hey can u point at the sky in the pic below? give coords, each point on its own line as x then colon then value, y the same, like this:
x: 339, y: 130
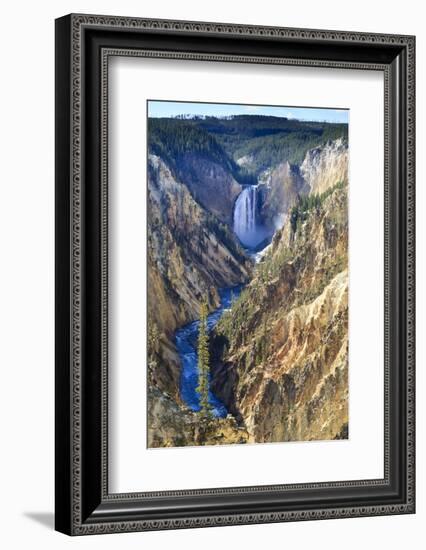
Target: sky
x: 161, y: 109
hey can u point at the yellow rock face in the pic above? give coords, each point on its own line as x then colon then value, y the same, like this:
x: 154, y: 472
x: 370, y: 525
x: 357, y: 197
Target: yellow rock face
x: 303, y: 393
x: 324, y: 166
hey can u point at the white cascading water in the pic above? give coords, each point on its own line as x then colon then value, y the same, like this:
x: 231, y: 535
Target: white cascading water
x: 245, y: 218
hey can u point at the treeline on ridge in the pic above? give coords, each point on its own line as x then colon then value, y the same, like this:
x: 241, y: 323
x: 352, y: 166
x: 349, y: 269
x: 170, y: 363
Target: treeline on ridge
x: 173, y: 139
x: 265, y: 140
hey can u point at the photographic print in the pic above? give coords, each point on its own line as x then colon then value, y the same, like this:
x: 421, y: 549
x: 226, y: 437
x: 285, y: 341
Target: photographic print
x: 247, y: 289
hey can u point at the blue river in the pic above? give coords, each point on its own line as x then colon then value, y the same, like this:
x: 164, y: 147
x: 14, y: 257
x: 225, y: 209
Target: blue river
x: 186, y: 342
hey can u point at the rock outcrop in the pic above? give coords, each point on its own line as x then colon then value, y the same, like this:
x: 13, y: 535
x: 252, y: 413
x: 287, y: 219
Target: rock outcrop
x: 326, y: 165
x: 170, y: 425
x: 279, y: 190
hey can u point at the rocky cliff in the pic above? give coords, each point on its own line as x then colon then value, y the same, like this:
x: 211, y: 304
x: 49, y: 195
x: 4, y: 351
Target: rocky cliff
x: 281, y: 354
x: 171, y: 425
x: 282, y: 185
x: 279, y: 189
x: 211, y: 184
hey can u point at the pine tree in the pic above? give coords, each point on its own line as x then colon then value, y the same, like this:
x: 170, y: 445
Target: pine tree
x: 203, y: 362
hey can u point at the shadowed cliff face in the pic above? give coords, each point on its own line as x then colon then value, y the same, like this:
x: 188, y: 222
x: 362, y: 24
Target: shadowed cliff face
x: 211, y: 185
x: 190, y: 255
x: 281, y: 354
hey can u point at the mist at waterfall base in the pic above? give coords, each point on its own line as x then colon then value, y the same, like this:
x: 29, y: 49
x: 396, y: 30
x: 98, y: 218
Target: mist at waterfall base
x: 186, y: 339
x: 251, y: 233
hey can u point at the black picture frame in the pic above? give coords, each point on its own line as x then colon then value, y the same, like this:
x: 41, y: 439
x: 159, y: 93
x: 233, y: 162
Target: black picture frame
x: 83, y: 504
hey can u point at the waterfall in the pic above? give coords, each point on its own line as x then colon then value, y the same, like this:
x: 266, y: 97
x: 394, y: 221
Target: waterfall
x: 246, y: 225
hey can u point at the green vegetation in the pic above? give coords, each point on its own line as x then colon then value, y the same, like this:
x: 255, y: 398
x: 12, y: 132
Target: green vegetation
x: 269, y: 140
x: 264, y: 140
x: 300, y: 211
x: 271, y: 267
x: 225, y: 235
x: 203, y: 362
x: 174, y: 139
x: 235, y: 326
x: 232, y: 322
x: 170, y: 137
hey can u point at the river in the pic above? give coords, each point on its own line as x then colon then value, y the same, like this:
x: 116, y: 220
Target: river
x: 186, y: 343
x: 254, y: 237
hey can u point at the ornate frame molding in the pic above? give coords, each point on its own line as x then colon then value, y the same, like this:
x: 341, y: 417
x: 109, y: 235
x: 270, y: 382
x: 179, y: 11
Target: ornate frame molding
x: 71, y: 43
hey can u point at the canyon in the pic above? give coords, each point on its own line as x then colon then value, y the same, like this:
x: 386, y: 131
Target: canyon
x: 278, y: 232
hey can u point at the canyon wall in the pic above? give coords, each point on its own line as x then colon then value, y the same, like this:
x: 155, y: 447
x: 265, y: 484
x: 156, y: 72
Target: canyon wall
x: 171, y: 425
x: 324, y: 166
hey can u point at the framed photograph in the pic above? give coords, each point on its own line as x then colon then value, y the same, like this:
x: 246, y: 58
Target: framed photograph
x: 234, y: 274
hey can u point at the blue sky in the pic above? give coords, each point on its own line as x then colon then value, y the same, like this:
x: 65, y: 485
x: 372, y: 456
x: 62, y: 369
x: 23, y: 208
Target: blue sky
x: 161, y: 109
